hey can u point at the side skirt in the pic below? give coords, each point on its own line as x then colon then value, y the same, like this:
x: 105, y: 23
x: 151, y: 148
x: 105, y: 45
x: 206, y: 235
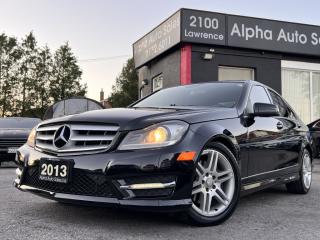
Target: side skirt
x: 249, y: 188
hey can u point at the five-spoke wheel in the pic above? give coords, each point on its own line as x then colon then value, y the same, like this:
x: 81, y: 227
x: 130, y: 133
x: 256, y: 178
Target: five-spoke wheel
x: 216, y: 185
x: 303, y: 184
x: 307, y: 170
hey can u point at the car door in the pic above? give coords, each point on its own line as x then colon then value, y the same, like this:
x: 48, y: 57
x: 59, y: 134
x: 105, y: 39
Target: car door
x: 292, y: 133
x: 265, y: 138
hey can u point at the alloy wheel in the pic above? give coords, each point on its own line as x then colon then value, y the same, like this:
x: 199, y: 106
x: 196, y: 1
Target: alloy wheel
x: 307, y: 170
x: 214, y: 184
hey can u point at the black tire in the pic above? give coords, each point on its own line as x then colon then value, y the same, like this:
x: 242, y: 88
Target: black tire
x: 299, y: 186
x: 199, y: 220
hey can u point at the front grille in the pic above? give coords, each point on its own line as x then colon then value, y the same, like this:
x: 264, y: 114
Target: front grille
x: 5, y: 143
x: 81, y: 183
x: 81, y: 138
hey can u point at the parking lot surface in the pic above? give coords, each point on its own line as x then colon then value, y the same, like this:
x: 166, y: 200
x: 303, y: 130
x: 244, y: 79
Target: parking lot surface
x: 270, y: 214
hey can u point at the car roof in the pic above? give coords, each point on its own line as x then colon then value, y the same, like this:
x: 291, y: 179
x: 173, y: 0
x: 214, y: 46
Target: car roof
x: 247, y: 82
x: 20, y: 118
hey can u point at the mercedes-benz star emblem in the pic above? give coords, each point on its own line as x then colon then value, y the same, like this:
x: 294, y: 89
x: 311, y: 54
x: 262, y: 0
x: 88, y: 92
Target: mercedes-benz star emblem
x: 62, y: 136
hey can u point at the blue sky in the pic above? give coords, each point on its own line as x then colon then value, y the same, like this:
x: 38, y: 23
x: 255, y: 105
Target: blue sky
x: 107, y: 28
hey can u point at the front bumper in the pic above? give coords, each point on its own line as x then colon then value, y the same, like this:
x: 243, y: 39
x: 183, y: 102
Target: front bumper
x: 147, y: 204
x: 108, y: 178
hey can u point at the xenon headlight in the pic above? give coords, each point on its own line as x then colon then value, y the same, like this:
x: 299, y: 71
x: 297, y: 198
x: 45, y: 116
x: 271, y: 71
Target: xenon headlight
x: 158, y: 135
x: 32, y: 138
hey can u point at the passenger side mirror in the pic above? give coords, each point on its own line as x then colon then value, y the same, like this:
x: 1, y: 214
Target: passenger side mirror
x: 265, y: 110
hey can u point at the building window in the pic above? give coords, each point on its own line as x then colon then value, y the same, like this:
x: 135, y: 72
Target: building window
x: 301, y: 88
x: 235, y: 73
x: 157, y: 82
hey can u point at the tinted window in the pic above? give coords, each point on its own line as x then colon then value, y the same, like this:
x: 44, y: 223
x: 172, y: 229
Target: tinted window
x: 317, y: 125
x: 284, y: 110
x: 281, y: 105
x: 259, y: 95
x: 14, y: 123
x: 207, y: 94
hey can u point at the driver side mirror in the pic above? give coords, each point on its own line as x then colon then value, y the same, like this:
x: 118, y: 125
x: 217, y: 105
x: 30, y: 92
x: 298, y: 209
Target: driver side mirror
x: 265, y: 110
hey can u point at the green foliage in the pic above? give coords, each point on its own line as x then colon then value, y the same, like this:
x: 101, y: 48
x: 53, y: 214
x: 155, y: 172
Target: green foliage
x: 125, y: 91
x: 32, y: 78
x: 9, y: 70
x: 66, y: 75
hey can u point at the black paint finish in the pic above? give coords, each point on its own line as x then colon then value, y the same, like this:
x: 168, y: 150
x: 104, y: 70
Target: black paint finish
x: 265, y: 153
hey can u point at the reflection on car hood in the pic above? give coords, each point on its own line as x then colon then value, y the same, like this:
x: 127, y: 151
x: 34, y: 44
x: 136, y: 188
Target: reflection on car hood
x: 137, y: 118
x: 14, y: 133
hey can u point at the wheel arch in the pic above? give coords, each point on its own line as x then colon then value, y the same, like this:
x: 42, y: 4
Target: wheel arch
x: 214, y: 132
x: 225, y: 140
x: 309, y: 148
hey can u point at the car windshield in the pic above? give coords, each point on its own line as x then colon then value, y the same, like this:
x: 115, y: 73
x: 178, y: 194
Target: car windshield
x: 219, y: 94
x: 17, y: 123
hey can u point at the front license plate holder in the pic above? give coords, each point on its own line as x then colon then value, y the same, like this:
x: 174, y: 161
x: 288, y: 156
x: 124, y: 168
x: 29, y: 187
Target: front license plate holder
x: 55, y: 170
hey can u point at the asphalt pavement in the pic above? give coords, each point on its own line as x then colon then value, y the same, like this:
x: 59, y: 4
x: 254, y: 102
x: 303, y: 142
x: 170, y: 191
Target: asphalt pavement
x: 270, y: 214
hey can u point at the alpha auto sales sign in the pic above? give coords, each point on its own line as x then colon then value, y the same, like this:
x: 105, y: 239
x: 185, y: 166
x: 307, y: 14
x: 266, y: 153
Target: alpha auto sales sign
x: 195, y: 26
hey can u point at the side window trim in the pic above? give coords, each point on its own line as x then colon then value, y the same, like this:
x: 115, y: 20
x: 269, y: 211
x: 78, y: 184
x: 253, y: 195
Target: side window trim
x: 284, y: 101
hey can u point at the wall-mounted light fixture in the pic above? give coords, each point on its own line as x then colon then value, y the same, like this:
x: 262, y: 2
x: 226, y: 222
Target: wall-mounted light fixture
x: 209, y: 55
x: 144, y: 82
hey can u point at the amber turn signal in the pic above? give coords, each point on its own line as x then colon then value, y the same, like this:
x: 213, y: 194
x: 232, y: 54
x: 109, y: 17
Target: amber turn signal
x: 186, y: 156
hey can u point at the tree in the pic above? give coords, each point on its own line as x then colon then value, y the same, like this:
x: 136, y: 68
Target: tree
x: 66, y: 75
x: 125, y: 91
x: 9, y: 57
x: 31, y: 78
x: 42, y: 76
x: 27, y: 79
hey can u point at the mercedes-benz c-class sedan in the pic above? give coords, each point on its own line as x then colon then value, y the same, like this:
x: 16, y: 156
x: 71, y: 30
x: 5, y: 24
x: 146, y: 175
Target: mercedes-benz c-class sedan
x: 194, y: 148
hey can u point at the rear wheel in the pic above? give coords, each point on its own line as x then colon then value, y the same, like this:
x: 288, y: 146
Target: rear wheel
x: 303, y: 185
x: 216, y: 186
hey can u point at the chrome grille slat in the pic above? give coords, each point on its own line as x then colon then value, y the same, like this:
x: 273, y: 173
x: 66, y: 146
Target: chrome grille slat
x: 44, y: 137
x: 49, y: 128
x: 95, y: 128
x: 45, y: 146
x: 91, y: 138
x: 83, y: 138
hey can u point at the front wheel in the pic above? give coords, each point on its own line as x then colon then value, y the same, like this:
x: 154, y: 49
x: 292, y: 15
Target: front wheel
x: 303, y: 185
x: 216, y: 187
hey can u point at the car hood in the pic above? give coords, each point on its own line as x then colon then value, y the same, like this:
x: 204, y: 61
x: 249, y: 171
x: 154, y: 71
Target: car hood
x: 137, y: 118
x: 7, y: 133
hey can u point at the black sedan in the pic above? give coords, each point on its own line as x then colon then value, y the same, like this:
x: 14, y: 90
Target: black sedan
x: 13, y: 134
x: 193, y: 148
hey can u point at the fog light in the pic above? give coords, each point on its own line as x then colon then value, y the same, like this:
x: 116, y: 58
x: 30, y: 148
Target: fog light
x: 142, y: 186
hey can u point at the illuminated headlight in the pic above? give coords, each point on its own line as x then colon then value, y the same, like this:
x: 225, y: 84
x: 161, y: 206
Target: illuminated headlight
x: 32, y: 138
x: 158, y: 135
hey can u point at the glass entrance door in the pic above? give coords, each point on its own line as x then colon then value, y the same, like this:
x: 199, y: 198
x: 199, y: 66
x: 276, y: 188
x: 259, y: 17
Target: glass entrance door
x: 301, y: 88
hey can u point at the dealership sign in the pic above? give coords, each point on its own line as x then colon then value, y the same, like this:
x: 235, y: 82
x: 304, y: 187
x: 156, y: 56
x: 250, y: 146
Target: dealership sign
x: 193, y: 26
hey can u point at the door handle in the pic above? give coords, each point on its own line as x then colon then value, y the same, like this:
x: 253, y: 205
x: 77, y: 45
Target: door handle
x: 279, y: 125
